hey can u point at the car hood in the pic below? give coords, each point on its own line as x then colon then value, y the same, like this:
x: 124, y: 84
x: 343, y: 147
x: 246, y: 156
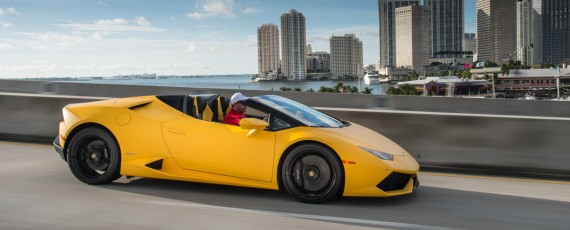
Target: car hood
x: 361, y: 136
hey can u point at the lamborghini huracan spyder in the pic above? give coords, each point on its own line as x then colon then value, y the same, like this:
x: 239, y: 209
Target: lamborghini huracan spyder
x: 282, y: 144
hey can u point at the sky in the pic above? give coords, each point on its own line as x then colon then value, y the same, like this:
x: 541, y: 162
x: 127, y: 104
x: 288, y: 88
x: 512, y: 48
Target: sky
x: 88, y: 38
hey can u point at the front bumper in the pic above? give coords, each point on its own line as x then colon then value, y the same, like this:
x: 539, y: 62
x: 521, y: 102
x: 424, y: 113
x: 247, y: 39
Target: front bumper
x: 58, y: 148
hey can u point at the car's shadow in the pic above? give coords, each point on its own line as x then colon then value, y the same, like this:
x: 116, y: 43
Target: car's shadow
x: 254, y: 199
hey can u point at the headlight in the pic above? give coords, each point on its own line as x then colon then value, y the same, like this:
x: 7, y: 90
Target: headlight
x: 381, y: 155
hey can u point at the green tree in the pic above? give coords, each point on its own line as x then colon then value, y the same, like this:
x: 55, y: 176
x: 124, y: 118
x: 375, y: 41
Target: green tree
x: 393, y: 91
x: 283, y: 88
x: 311, y: 90
x: 339, y: 87
x: 297, y: 89
x: 414, y: 75
x: 367, y: 90
x: 405, y: 89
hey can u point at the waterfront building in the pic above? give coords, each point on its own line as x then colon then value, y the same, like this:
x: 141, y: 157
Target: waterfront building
x: 551, y: 31
x: 346, y: 57
x: 318, y: 62
x: 268, y: 51
x: 293, y: 42
x: 448, y: 86
x: 470, y: 43
x: 445, y: 28
x: 411, y: 37
x: 524, y: 29
x: 496, y: 25
x: 535, y: 81
x: 387, y: 24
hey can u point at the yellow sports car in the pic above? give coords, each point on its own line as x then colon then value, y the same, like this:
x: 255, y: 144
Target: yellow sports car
x: 282, y: 144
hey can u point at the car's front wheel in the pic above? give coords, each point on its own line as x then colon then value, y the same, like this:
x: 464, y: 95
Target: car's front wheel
x: 94, y: 156
x: 312, y: 173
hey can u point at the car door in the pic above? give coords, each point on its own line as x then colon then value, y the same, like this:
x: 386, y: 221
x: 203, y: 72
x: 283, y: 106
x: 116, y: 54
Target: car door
x: 221, y: 149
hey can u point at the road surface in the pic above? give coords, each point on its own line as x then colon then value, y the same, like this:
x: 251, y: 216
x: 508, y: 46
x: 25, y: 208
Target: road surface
x: 37, y: 191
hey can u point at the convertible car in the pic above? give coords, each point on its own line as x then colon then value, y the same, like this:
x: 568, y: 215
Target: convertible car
x: 282, y: 144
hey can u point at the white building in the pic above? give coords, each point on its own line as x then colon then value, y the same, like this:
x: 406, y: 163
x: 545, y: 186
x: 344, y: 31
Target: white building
x: 346, y: 57
x: 524, y: 32
x: 268, y: 50
x: 387, y: 22
x: 411, y: 37
x: 293, y: 42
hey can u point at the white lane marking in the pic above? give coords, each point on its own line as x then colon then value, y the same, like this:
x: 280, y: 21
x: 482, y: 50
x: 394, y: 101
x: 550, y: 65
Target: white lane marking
x: 535, y: 189
x: 341, y: 220
x: 443, y: 113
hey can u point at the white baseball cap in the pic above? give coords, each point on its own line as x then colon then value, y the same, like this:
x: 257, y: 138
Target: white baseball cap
x: 237, y: 97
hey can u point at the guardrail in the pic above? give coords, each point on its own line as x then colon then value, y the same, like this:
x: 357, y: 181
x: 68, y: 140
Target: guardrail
x: 506, y: 143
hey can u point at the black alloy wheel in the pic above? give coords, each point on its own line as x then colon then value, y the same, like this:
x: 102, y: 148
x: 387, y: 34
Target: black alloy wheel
x: 94, y: 156
x: 312, y: 174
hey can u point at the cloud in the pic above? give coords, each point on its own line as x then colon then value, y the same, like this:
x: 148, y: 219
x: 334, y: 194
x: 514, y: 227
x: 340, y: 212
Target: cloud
x: 213, y: 8
x: 101, y: 3
x: 6, y: 46
x: 140, y: 24
x: 250, y: 10
x: 7, y: 11
x: 191, y: 48
x: 116, y: 21
x: 60, y: 39
x: 5, y: 24
x: 141, y: 21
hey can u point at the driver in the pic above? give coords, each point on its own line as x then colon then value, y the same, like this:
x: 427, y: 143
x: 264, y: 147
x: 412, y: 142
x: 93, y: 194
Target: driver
x: 238, y: 109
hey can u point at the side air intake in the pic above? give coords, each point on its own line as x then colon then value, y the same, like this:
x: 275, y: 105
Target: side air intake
x: 155, y: 165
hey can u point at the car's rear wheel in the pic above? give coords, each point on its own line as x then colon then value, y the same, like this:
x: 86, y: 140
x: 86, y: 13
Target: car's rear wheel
x: 94, y: 156
x: 312, y: 173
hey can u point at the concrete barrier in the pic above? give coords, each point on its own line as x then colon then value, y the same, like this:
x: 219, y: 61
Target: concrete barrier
x: 502, y: 134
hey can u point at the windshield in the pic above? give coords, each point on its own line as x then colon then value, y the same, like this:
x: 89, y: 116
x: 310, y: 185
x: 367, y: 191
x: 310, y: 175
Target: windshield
x: 301, y: 112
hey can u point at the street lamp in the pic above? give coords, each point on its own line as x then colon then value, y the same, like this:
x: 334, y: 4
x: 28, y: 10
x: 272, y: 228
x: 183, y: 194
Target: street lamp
x: 558, y: 83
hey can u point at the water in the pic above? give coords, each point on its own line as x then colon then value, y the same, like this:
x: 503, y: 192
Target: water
x: 241, y: 82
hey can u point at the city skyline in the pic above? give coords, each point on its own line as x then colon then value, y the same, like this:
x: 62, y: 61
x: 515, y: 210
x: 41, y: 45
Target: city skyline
x: 67, y: 38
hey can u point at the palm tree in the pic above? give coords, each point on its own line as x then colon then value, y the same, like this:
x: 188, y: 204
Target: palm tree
x: 367, y: 90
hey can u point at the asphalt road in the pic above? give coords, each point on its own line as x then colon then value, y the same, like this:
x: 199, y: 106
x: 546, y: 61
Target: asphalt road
x: 37, y: 191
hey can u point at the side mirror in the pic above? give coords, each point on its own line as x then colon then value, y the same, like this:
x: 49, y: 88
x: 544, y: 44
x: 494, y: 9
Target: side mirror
x: 254, y: 124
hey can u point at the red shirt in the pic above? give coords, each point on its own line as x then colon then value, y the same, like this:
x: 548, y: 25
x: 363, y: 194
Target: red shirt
x: 233, y: 117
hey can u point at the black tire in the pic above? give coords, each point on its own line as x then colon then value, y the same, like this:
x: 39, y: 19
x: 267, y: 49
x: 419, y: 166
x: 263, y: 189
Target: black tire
x: 94, y: 157
x: 312, y: 174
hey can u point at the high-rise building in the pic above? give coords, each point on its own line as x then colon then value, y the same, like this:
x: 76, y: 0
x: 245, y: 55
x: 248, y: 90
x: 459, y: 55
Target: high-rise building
x: 496, y: 25
x: 293, y: 42
x: 387, y: 12
x: 470, y: 42
x: 412, y: 37
x: 524, y: 29
x: 268, y: 49
x: 445, y: 28
x: 346, y: 57
x: 551, y: 31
